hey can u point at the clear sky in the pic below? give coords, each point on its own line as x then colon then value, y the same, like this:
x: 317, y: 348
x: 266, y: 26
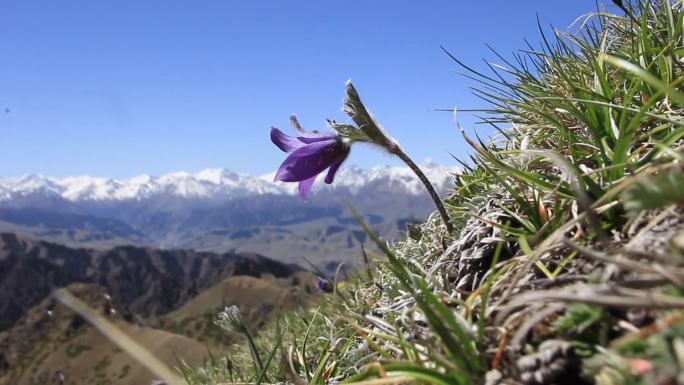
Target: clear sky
x: 120, y: 88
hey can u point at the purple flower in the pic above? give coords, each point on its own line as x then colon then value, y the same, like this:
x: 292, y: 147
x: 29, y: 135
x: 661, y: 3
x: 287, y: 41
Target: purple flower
x: 323, y: 285
x: 310, y: 153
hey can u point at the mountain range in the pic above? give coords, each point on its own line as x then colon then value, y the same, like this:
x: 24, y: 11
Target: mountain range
x: 219, y: 210
x: 211, y: 184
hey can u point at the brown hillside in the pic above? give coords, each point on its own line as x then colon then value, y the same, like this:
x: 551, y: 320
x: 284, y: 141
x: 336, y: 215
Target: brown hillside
x: 51, y: 342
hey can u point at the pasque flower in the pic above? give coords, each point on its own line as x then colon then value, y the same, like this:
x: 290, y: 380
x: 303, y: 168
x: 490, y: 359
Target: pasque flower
x: 230, y: 319
x: 310, y: 153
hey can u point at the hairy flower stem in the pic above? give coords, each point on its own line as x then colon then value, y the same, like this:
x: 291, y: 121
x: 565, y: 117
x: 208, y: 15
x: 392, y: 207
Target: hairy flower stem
x: 372, y: 133
x: 253, y: 349
x: 394, y: 149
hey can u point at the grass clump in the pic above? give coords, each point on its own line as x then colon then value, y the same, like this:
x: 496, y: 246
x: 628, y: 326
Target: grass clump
x: 74, y: 350
x: 565, y: 265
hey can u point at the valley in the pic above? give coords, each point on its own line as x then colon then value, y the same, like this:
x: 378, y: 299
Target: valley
x: 167, y: 300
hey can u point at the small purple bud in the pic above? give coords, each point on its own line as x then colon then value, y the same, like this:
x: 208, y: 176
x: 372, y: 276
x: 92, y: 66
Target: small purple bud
x: 323, y: 285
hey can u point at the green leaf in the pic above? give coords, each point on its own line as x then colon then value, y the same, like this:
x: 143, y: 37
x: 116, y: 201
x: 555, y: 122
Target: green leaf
x: 419, y: 373
x: 579, y: 318
x: 646, y: 76
x: 655, y: 191
x: 267, y: 364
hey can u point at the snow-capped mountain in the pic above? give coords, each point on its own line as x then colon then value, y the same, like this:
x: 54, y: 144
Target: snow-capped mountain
x: 219, y: 210
x: 214, y: 183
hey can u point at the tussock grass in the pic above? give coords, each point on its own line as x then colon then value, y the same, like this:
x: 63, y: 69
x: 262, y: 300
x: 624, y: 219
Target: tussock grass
x: 566, y: 265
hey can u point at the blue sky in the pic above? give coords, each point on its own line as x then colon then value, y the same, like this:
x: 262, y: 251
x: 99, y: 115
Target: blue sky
x: 119, y: 88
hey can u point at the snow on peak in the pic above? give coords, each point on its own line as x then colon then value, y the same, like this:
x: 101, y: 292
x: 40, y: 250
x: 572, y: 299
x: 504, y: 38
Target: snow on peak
x: 141, y: 179
x: 355, y: 178
x: 211, y: 183
x: 218, y: 176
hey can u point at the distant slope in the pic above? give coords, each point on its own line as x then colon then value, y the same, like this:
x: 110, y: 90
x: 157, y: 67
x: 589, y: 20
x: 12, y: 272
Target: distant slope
x: 149, y: 281
x: 50, y: 341
x: 71, y: 228
x: 258, y: 299
x: 166, y: 300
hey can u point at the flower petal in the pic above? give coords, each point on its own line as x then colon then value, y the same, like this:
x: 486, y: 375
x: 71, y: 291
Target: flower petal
x: 284, y: 142
x: 305, y: 187
x: 309, y: 160
x: 302, y: 133
x: 316, y: 137
x: 336, y: 164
